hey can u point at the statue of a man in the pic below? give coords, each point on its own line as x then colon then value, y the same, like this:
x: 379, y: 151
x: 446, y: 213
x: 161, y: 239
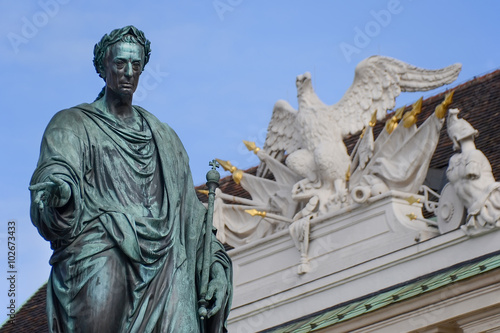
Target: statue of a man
x: 113, y: 194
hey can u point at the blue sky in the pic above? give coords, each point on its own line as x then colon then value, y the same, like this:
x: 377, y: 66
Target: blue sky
x: 216, y: 69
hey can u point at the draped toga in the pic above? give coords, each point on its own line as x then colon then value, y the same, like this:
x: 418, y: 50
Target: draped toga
x: 128, y: 245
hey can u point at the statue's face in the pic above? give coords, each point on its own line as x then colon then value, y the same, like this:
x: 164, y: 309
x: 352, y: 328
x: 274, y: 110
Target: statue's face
x: 123, y: 66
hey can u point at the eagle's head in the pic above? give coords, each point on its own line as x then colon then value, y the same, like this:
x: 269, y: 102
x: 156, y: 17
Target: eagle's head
x: 303, y: 83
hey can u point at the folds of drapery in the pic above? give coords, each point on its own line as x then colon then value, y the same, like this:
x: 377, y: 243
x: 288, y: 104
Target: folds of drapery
x: 132, y: 198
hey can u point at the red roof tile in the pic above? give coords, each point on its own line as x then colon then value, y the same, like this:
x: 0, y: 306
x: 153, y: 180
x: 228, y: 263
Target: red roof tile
x: 31, y: 317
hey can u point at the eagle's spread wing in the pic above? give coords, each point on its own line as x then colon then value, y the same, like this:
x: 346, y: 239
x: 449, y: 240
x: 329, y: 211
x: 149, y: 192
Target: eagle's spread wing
x: 281, y: 133
x: 377, y: 82
x: 281, y: 136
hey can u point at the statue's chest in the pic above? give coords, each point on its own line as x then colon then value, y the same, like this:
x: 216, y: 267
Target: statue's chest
x: 313, y: 125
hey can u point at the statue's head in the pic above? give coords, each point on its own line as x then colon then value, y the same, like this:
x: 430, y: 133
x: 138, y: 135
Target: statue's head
x: 128, y: 34
x: 459, y: 129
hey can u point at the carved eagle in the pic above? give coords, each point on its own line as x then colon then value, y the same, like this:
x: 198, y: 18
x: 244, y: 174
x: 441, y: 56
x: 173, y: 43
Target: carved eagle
x: 312, y: 136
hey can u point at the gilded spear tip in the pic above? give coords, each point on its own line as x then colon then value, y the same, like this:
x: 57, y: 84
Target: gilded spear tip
x: 417, y: 106
x: 203, y: 192
x: 399, y: 113
x: 392, y: 123
x: 255, y: 212
x: 226, y: 165
x: 442, y: 108
x: 237, y: 173
x: 448, y: 98
x: 410, y: 118
x: 251, y: 146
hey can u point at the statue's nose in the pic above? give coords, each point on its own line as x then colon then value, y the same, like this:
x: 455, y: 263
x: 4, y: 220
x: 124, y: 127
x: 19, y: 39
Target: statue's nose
x: 128, y: 70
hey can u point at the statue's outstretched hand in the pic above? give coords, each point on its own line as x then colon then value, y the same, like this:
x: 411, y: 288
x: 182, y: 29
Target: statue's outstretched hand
x: 217, y: 288
x: 54, y: 193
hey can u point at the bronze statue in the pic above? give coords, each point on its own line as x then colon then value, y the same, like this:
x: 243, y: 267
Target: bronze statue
x: 113, y: 194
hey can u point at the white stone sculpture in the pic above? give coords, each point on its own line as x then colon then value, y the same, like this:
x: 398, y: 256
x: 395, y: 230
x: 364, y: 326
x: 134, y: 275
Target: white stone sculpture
x: 240, y: 221
x: 299, y: 231
x: 235, y: 226
x: 310, y: 188
x: 470, y: 174
x: 313, y: 134
x: 400, y: 156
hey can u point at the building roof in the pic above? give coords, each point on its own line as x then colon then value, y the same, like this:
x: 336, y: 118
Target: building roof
x: 393, y: 295
x: 31, y: 317
x: 479, y: 102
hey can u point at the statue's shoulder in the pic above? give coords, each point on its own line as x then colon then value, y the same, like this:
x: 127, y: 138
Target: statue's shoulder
x: 151, y: 118
x: 163, y: 131
x: 157, y: 123
x: 70, y: 118
x: 476, y: 154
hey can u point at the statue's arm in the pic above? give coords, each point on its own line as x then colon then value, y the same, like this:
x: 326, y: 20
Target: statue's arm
x: 53, y: 193
x: 220, y: 284
x: 220, y: 288
x: 219, y: 292
x: 477, y: 163
x: 54, y: 186
x: 217, y: 288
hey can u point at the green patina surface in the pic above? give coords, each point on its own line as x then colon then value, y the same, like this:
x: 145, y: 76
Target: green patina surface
x: 113, y: 193
x: 391, y: 295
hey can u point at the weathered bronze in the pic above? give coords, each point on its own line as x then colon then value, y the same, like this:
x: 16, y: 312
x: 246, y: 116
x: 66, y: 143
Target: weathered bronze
x: 113, y: 194
x: 213, y: 178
